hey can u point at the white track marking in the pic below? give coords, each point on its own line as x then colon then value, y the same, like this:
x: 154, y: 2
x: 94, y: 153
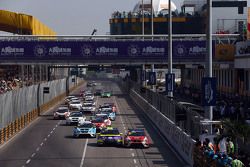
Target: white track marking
x: 33, y: 155
x: 84, y: 153
x: 28, y: 161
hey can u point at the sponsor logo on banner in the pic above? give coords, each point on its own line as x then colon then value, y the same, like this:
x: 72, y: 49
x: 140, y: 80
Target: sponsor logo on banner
x: 180, y: 50
x: 224, y: 52
x: 40, y: 51
x: 133, y: 50
x: 87, y: 50
x: 59, y: 51
x: 197, y: 50
x: 103, y: 51
x: 153, y: 50
x: 8, y: 51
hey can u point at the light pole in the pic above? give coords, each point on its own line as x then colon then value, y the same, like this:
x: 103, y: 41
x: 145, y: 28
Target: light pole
x: 209, y: 67
x: 152, y: 18
x: 142, y: 8
x: 170, y: 61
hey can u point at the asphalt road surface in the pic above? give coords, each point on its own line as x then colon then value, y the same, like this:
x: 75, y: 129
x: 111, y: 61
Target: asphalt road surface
x: 47, y: 142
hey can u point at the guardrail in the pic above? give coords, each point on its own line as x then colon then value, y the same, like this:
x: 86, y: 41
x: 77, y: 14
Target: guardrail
x: 178, y: 139
x: 24, y: 120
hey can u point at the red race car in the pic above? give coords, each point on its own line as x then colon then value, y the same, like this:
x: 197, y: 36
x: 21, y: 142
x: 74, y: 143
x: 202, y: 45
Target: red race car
x: 136, y: 137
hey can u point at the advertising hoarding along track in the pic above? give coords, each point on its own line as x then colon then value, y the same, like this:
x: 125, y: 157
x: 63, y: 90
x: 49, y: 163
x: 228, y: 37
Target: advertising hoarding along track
x: 82, y: 51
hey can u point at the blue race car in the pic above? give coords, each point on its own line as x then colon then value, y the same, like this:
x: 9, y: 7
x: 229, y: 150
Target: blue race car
x: 109, y: 135
x: 86, y: 128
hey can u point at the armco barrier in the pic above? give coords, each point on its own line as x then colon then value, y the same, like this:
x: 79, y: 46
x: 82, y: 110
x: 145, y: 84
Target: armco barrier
x: 16, y: 125
x: 178, y: 139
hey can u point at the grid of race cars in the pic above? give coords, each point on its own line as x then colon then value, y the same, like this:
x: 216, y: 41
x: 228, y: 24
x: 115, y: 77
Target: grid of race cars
x: 98, y: 124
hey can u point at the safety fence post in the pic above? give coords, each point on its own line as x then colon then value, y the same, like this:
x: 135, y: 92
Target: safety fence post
x: 7, y: 132
x: 16, y: 125
x: 11, y: 129
x: 2, y: 136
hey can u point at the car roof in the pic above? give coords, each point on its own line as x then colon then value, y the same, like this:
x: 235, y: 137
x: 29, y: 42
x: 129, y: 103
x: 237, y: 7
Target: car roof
x: 63, y: 108
x: 136, y: 130
x: 87, y: 122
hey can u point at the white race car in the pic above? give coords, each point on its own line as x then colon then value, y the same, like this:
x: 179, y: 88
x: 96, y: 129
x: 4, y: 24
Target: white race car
x: 61, y: 113
x: 75, y: 104
x: 75, y: 117
x: 88, y: 107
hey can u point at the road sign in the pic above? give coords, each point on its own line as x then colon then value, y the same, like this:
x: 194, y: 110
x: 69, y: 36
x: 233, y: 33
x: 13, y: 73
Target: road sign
x: 170, y: 82
x: 143, y: 75
x: 151, y: 78
x: 208, y: 85
x: 45, y: 90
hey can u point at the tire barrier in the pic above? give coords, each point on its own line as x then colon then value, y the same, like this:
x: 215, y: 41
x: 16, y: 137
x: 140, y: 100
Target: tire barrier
x: 24, y: 120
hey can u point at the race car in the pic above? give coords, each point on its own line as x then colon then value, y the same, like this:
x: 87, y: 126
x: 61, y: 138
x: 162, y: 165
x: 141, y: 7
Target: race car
x: 112, y: 105
x: 61, y: 113
x: 106, y: 94
x: 110, y: 114
x: 104, y: 108
x: 89, y: 96
x: 90, y: 101
x: 88, y: 107
x: 86, y: 128
x: 75, y: 104
x: 136, y: 137
x: 109, y: 135
x: 99, y: 122
x: 75, y: 117
x: 68, y: 98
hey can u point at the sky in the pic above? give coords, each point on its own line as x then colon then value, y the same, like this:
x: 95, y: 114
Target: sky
x: 72, y: 17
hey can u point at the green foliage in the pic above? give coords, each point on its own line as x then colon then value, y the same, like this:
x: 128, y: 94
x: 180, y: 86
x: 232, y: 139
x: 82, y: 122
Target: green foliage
x: 237, y: 129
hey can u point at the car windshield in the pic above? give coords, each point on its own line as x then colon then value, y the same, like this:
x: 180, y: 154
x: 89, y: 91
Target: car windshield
x: 106, y: 112
x: 98, y: 120
x: 89, y: 94
x: 102, y: 116
x: 87, y: 125
x: 62, y: 110
x: 76, y: 114
x: 110, y: 131
x: 87, y: 105
x: 136, y: 133
x: 75, y: 102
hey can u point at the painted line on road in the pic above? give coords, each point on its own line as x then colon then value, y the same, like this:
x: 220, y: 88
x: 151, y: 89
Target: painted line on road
x: 135, y: 161
x: 48, y: 135
x: 28, y: 161
x: 33, y: 155
x: 84, y: 153
x: 41, y: 144
x: 54, y: 128
x: 133, y: 154
x: 45, y: 139
x: 51, y: 132
x: 38, y: 148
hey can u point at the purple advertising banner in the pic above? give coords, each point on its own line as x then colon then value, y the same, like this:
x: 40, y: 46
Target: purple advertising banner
x: 100, y: 50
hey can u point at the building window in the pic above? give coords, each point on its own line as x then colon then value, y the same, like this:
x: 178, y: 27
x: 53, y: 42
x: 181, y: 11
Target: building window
x: 240, y: 10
